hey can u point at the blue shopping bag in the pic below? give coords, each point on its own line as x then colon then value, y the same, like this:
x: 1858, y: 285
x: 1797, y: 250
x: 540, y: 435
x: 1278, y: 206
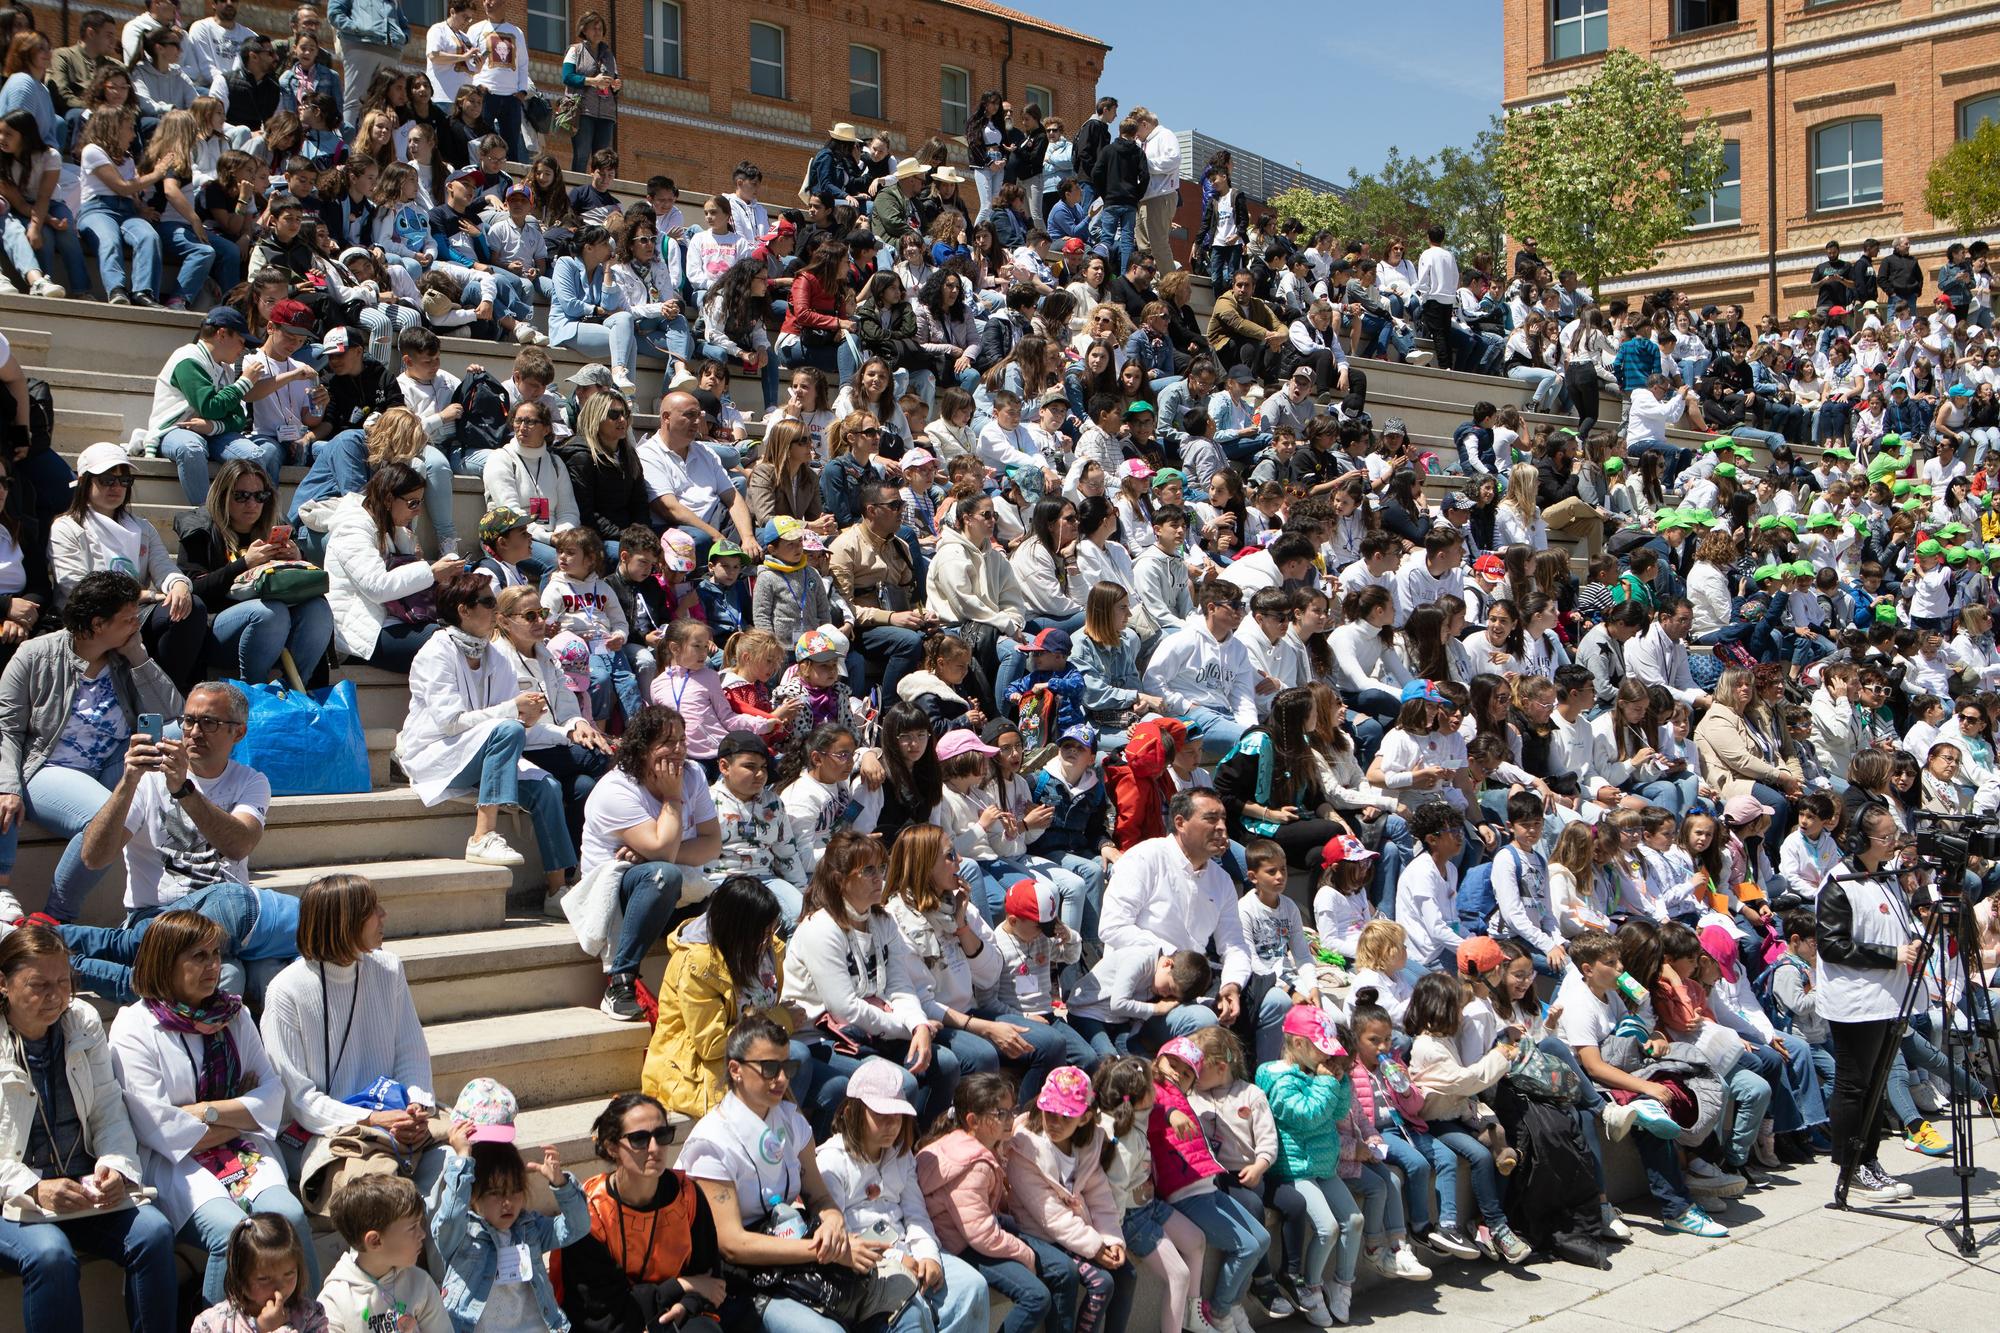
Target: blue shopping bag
x: 306, y: 743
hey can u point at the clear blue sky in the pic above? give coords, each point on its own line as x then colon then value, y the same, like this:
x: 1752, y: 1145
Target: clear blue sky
x: 1417, y: 74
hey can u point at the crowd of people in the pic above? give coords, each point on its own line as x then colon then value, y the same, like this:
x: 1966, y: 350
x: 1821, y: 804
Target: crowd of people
x: 1095, y: 801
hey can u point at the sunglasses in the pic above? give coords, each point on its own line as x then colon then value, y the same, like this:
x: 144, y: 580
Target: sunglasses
x: 483, y: 601
x: 115, y: 479
x: 642, y: 1140
x: 413, y: 501
x: 533, y: 613
x: 246, y: 497
x: 617, y: 415
x: 769, y: 1070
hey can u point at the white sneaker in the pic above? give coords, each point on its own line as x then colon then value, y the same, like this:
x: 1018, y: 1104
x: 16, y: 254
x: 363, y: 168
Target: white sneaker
x: 1196, y: 1320
x: 1339, y: 1300
x: 45, y: 288
x: 524, y: 333
x: 1239, y: 1320
x: 7, y: 287
x: 1618, y: 1119
x: 1405, y: 1264
x: 622, y: 381
x: 492, y: 850
x: 1312, y: 1307
x: 1382, y: 1259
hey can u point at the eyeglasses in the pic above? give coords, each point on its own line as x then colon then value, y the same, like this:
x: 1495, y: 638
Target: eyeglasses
x: 530, y: 419
x: 770, y: 1070
x: 875, y: 871
x: 413, y: 501
x: 533, y: 613
x: 616, y: 415
x: 246, y: 497
x: 116, y: 479
x: 205, y: 725
x: 642, y: 1140
x: 483, y: 601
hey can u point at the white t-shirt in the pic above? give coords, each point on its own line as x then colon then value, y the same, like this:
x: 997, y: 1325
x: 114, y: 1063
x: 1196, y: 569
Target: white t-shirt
x: 280, y: 414
x: 699, y: 481
x: 13, y: 566
x: 759, y: 1158
x: 1587, y: 1020
x: 168, y: 857
x: 618, y: 803
x: 446, y: 78
x: 95, y: 157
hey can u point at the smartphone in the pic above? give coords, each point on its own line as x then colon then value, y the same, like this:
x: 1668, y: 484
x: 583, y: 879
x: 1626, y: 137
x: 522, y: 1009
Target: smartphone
x: 280, y: 533
x: 150, y: 726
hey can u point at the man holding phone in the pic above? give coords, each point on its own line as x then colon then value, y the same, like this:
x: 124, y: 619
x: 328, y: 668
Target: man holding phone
x: 877, y: 575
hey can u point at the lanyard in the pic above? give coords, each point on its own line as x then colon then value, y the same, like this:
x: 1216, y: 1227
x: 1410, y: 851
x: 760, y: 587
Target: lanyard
x: 326, y: 1016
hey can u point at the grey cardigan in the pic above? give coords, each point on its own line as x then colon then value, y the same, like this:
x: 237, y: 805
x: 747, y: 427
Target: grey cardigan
x: 39, y: 687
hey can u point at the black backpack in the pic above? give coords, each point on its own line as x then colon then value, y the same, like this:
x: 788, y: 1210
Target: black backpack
x: 484, y: 424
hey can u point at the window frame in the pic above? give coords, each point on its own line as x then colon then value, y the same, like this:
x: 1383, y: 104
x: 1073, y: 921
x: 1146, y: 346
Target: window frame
x: 854, y: 84
x: 1965, y: 131
x: 563, y: 34
x: 651, y: 39
x: 1816, y: 171
x: 1679, y: 14
x: 1723, y: 182
x: 1047, y: 102
x: 1581, y: 22
x: 965, y: 106
x: 782, y: 62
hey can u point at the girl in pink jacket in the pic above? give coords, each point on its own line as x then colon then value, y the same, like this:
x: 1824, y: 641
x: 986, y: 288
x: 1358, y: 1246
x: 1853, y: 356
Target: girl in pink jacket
x: 1055, y: 1173
x: 1186, y: 1173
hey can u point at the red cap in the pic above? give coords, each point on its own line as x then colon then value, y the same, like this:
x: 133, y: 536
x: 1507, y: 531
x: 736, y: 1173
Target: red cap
x: 1492, y: 566
x: 1837, y: 311
x: 292, y: 315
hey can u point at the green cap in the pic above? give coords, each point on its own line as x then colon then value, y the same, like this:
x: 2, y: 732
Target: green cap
x: 1743, y: 451
x: 1903, y: 487
x: 1885, y: 613
x: 1954, y: 555
x: 1929, y: 546
x: 1789, y: 520
x: 1763, y: 572
x: 1136, y: 406
x: 1799, y: 569
x: 1726, y: 470
x: 723, y: 551
x: 1614, y: 464
x: 1168, y: 474
x: 1923, y: 488
x: 1892, y: 441
x: 1910, y: 506
x: 1671, y: 518
x: 1719, y: 442
x: 1802, y: 314
x: 1838, y: 451
x: 1701, y: 518
x: 1767, y: 523
x: 1953, y: 530
x: 1824, y: 521
x: 1858, y: 523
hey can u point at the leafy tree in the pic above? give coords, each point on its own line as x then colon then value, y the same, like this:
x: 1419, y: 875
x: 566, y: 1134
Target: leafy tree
x: 1602, y: 180
x: 1963, y: 186
x: 1457, y: 188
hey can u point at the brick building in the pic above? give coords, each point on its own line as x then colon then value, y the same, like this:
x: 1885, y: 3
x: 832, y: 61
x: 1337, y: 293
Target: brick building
x: 1833, y: 111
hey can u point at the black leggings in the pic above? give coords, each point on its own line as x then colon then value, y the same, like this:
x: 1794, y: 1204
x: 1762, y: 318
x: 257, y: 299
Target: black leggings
x: 1857, y: 1053
x: 179, y: 646
x: 1580, y: 378
x: 396, y: 646
x: 1303, y: 840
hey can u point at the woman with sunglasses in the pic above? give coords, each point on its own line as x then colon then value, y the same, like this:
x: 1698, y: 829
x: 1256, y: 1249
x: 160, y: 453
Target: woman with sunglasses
x: 632, y: 1270
x: 650, y: 272
x: 373, y: 571
x: 98, y: 532
x: 468, y: 727
x: 604, y: 470
x: 564, y: 742
x: 236, y: 533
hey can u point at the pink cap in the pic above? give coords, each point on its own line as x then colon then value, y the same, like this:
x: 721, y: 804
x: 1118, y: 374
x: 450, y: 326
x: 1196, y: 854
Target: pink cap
x: 1744, y: 809
x: 1066, y: 1092
x: 1189, y: 1054
x: 878, y: 1085
x: 1307, y: 1021
x: 918, y: 458
x: 960, y: 741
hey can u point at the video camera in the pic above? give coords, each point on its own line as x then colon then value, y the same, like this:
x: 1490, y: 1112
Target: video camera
x: 1954, y: 839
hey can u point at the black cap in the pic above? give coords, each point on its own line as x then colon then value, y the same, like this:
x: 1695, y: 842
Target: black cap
x: 995, y: 729
x: 742, y: 742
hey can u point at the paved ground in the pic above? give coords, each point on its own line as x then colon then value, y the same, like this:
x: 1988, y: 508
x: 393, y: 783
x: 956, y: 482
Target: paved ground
x: 1788, y: 1264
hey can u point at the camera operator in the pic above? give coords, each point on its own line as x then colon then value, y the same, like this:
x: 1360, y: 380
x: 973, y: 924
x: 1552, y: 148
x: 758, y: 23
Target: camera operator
x: 1867, y: 948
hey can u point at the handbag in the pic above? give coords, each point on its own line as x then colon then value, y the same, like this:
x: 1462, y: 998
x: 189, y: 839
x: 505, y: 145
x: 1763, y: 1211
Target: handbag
x: 419, y: 608
x: 832, y: 1290
x: 1542, y: 1077
x: 282, y: 582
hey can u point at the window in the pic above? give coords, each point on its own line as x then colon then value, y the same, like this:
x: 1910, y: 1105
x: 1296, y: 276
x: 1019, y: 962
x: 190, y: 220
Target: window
x: 423, y: 13
x: 1576, y: 28
x: 1693, y: 15
x: 1043, y: 98
x: 663, y: 38
x: 954, y: 99
x: 1978, y: 109
x: 864, y: 82
x: 767, y: 60
x: 1724, y: 204
x: 1847, y: 164
x: 548, y: 25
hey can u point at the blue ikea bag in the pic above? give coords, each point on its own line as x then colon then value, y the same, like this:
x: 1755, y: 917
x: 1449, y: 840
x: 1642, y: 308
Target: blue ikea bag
x: 305, y: 742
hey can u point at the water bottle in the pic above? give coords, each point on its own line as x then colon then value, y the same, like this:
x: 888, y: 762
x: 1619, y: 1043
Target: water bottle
x: 787, y: 1222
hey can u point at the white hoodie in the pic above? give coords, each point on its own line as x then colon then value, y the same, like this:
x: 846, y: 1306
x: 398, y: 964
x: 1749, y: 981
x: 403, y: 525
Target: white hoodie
x: 357, y: 1303
x: 966, y: 585
x: 1191, y: 670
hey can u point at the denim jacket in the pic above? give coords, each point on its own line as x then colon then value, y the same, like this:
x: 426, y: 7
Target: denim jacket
x: 470, y: 1249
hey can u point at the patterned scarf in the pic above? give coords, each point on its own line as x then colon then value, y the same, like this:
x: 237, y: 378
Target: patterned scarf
x: 234, y: 1163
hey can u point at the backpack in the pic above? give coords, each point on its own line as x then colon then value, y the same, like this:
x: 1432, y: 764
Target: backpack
x: 484, y: 423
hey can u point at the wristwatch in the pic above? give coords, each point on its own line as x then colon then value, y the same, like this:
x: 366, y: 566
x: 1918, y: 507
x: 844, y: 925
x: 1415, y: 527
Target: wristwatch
x: 210, y: 1114
x: 180, y: 792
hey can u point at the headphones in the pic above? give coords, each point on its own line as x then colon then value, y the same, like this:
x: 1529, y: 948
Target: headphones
x: 1856, y: 841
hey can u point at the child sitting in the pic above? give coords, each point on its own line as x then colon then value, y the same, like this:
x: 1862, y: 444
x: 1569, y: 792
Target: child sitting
x: 688, y: 685
x: 758, y: 837
x: 1048, y: 662
x: 1185, y: 1172
x: 503, y: 536
x: 965, y: 1193
x: 982, y: 831
x: 1281, y: 960
x: 1032, y: 944
x: 1382, y: 962
x: 1078, y: 880
x: 1133, y: 987
x: 749, y: 659
x: 479, y: 1210
x: 824, y: 796
x: 1395, y: 1134
x: 261, y: 1287
x: 725, y: 598
x: 1124, y: 1103
x: 814, y: 680
x: 579, y: 600
x: 1309, y: 1096
x: 1460, y: 1126
x: 1341, y: 908
x: 381, y: 1217
x: 940, y: 689
x: 641, y: 598
x: 1809, y: 851
x: 1055, y: 1173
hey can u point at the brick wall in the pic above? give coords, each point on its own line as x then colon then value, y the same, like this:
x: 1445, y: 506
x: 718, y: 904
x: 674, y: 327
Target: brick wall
x: 1912, y: 63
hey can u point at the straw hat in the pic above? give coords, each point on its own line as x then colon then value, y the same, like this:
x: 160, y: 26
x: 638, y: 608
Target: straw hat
x: 909, y: 167
x: 948, y: 176
x: 844, y: 132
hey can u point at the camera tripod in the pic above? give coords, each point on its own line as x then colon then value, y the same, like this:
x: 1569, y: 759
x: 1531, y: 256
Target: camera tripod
x: 1949, y: 925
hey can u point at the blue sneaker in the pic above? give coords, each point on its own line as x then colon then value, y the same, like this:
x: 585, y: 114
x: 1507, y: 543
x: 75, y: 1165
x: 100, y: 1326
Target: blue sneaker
x: 1655, y: 1119
x: 1697, y: 1223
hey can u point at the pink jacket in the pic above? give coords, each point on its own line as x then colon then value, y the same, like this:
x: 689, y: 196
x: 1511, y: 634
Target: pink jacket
x: 1388, y: 1089
x: 1082, y: 1217
x: 1357, y: 1129
x: 966, y: 1192
x: 705, y: 710
x: 1181, y: 1165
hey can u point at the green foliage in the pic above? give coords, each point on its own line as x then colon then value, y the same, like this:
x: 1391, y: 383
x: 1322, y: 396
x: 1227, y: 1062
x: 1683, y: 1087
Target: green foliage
x: 1602, y: 180
x: 1963, y: 186
x: 1457, y: 188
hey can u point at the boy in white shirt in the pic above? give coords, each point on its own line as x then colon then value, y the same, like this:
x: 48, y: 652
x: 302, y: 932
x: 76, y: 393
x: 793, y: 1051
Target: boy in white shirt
x: 1930, y: 589
x: 1427, y: 893
x: 1809, y: 850
x: 1275, y: 934
x: 1032, y: 944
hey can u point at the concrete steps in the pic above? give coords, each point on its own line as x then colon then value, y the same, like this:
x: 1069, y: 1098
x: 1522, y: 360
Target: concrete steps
x: 426, y: 896
x: 472, y: 973
x: 545, y: 1056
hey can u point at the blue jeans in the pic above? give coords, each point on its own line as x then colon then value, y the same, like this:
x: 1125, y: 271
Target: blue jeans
x: 257, y: 631
x: 615, y: 338
x: 212, y: 1223
x: 1548, y: 385
x: 259, y: 936
x: 112, y: 224
x: 1413, y: 1167
x: 896, y: 650
x: 64, y: 801
x: 1217, y: 732
x: 611, y: 677
x: 1046, y: 1292
x: 1797, y: 1101
x: 667, y: 339
x: 1235, y: 1235
x: 648, y: 893
x: 1111, y: 1040
x: 1675, y: 795
x: 592, y: 134
x: 1013, y: 662
x: 1056, y: 1043
x: 767, y: 375
x: 1448, y: 1142
x: 495, y: 771
x: 1750, y: 1097
x: 1335, y: 1220
x: 1223, y: 261
x: 963, y: 1306
x: 1118, y: 230
x: 1781, y: 820
x: 139, y: 1240
x: 192, y: 453
x: 195, y: 258
x: 62, y: 243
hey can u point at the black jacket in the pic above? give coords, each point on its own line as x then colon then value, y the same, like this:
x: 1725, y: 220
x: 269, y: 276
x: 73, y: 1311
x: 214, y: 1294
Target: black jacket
x: 1126, y: 174
x: 629, y: 596
x: 205, y: 561
x: 1901, y: 275
x: 251, y: 101
x: 352, y: 399
x: 610, y: 496
x: 1091, y: 141
x: 1121, y: 290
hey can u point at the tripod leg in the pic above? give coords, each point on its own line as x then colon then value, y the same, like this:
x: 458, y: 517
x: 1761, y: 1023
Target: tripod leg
x: 1913, y: 995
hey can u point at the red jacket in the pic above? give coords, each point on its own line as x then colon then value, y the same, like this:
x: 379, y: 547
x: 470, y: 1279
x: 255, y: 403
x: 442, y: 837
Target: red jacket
x: 813, y: 307
x: 1139, y: 784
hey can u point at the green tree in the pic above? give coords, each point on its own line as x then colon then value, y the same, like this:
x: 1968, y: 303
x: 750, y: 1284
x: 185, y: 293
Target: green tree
x: 1602, y: 180
x: 1457, y: 188
x: 1963, y: 186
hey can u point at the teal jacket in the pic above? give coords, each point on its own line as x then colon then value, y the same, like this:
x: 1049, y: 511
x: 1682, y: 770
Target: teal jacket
x: 1308, y: 1109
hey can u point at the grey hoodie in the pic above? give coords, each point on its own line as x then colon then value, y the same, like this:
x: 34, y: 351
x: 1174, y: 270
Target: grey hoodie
x: 357, y: 1303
